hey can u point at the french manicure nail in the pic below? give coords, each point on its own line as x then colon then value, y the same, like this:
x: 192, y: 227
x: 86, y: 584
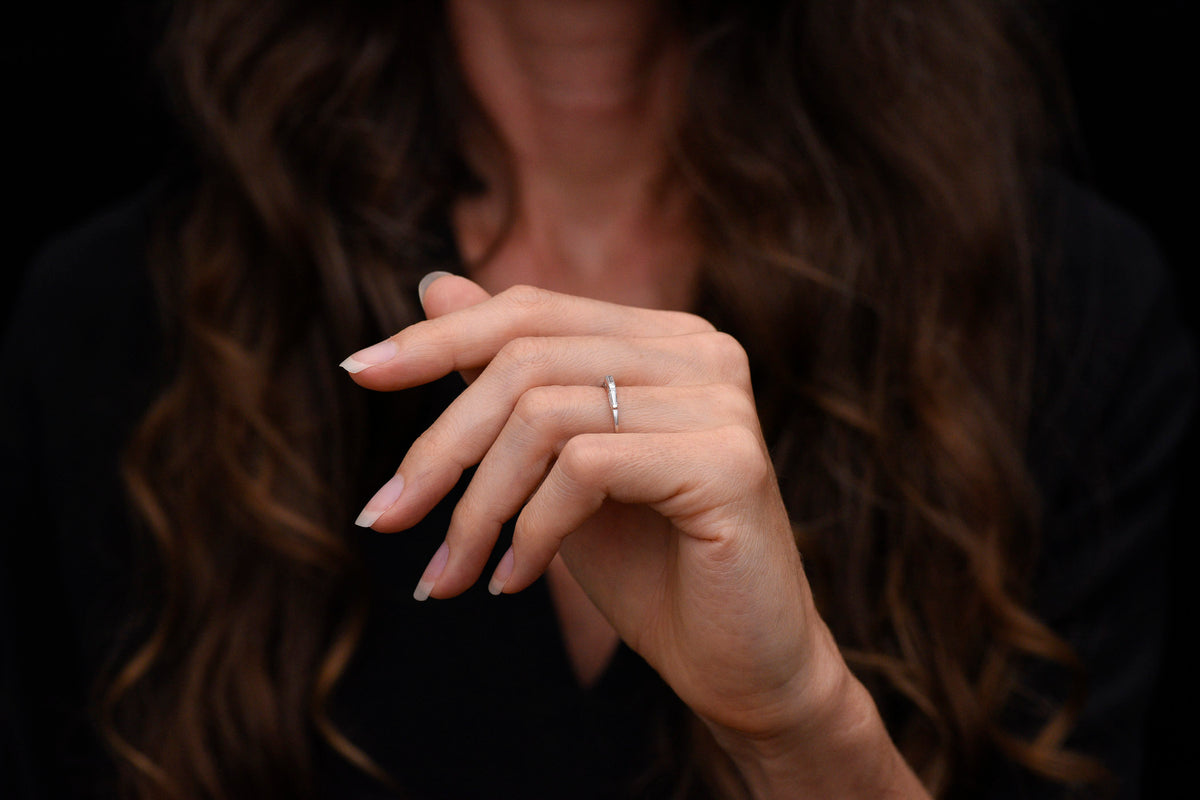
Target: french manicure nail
x: 384, y: 499
x: 371, y: 356
x: 432, y: 573
x: 428, y: 279
x: 503, y: 572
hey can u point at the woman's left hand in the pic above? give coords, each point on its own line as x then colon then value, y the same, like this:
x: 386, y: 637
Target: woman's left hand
x: 673, y: 525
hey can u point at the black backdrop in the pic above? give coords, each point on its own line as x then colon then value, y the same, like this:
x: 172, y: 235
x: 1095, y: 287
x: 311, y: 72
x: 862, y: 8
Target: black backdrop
x: 84, y: 124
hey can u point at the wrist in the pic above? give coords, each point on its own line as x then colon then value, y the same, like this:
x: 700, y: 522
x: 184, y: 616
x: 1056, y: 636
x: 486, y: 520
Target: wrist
x: 836, y: 746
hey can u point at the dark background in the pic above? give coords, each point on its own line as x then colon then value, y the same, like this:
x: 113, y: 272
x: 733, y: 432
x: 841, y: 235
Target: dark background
x: 85, y: 124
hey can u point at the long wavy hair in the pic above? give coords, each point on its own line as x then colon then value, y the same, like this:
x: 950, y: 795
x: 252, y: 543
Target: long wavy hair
x: 862, y: 174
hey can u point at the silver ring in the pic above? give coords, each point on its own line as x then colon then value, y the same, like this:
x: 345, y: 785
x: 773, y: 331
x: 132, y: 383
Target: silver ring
x: 611, y: 386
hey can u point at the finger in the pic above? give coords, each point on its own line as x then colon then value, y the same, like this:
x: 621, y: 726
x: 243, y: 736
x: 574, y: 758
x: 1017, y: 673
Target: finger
x: 452, y: 293
x: 684, y: 477
x: 468, y: 427
x: 468, y: 338
x: 443, y: 293
x: 543, y: 421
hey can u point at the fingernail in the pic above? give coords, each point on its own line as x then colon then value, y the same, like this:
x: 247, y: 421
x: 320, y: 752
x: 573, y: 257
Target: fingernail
x: 384, y: 499
x: 375, y: 354
x: 432, y: 573
x: 502, y: 574
x: 428, y: 279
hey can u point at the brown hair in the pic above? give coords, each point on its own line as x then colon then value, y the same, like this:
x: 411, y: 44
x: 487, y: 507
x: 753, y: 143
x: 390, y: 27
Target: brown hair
x: 862, y: 174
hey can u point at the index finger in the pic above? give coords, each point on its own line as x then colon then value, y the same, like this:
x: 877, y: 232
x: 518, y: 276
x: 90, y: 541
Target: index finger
x: 468, y: 338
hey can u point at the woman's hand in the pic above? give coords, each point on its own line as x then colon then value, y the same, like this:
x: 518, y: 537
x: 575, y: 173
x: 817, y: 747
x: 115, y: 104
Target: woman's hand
x: 674, y: 525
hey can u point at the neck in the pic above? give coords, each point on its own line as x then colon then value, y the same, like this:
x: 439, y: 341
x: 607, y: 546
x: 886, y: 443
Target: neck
x: 580, y: 98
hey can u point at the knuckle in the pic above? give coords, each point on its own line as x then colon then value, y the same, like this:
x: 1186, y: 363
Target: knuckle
x: 744, y: 450
x: 524, y: 353
x: 688, y: 322
x: 463, y: 519
x: 582, y: 459
x: 538, y: 407
x: 525, y: 297
x: 727, y: 355
x: 437, y: 444
x: 427, y: 442
x: 733, y: 402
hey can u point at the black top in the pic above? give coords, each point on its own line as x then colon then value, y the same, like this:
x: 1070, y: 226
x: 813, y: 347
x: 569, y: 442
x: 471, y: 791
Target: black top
x: 474, y: 697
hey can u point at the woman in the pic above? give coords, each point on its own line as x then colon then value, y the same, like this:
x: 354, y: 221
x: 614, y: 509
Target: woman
x: 793, y: 302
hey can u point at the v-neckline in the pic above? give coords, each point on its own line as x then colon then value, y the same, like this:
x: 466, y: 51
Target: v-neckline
x: 591, y: 649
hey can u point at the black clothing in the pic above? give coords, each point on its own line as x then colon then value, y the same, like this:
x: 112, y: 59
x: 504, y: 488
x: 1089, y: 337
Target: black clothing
x: 474, y: 697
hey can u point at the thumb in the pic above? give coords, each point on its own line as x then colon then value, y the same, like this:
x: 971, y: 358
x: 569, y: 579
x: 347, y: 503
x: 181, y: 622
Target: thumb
x: 443, y: 292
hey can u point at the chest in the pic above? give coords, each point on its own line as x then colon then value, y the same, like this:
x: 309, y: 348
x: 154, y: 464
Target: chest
x: 588, y: 638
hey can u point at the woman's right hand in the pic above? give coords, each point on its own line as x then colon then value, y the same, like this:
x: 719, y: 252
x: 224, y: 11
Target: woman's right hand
x: 673, y: 525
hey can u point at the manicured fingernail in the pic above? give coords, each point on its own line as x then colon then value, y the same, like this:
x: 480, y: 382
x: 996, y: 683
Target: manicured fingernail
x: 502, y: 574
x: 384, y: 499
x: 428, y: 279
x: 375, y: 354
x: 432, y: 573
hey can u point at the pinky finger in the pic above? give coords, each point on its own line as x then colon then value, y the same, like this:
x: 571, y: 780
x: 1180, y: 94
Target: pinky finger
x: 687, y: 478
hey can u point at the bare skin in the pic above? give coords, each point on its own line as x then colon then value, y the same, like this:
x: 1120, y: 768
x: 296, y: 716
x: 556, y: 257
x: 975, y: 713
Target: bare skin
x: 673, y: 529
x: 583, y: 95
